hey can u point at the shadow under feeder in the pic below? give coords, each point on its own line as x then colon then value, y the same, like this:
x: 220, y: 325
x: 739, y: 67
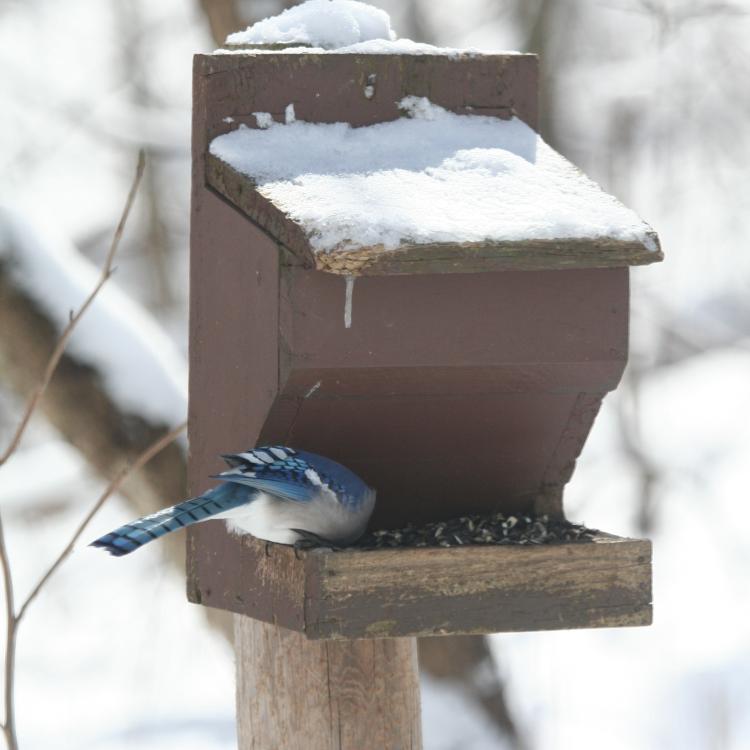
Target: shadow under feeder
x: 467, y: 381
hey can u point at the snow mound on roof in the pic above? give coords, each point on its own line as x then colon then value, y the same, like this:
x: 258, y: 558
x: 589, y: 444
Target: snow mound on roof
x: 432, y: 177
x: 320, y: 23
x: 371, y: 47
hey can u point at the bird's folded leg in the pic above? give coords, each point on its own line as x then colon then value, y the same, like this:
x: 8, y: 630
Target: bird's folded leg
x: 310, y: 540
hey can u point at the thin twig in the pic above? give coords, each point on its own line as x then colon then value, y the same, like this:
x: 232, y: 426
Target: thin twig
x: 632, y: 442
x: 9, y: 722
x: 62, y: 342
x: 115, y: 485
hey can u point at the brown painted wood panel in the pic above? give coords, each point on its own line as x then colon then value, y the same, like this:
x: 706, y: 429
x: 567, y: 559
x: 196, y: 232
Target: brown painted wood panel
x: 234, y: 335
x: 449, y: 394
x: 470, y: 320
x: 330, y: 88
x: 433, y: 458
x: 417, y: 592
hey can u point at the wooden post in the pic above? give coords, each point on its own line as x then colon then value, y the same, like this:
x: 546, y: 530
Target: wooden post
x: 297, y: 694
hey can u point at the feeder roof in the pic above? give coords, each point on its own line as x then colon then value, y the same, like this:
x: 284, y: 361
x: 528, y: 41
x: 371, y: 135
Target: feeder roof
x: 431, y: 191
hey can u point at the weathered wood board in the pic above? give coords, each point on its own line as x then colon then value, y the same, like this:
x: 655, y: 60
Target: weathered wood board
x: 353, y: 593
x: 470, y: 257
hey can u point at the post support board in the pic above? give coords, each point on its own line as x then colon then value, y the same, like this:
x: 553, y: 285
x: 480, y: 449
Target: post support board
x: 324, y: 695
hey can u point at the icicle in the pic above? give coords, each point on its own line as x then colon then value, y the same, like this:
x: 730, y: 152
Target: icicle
x: 348, y: 301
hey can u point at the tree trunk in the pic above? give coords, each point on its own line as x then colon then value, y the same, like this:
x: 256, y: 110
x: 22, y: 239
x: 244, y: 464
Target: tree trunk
x: 466, y: 662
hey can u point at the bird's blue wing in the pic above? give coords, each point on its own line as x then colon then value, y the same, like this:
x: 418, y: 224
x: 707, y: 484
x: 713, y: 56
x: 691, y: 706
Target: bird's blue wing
x: 278, y: 470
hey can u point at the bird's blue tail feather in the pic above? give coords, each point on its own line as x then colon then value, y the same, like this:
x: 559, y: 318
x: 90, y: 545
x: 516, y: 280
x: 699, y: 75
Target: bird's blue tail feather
x: 134, y: 535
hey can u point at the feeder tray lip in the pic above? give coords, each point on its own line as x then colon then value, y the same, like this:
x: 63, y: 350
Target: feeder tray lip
x: 434, y: 191
x: 404, y: 592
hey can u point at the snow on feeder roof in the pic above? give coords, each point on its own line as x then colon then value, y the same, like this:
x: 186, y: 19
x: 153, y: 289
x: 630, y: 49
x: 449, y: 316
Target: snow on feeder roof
x: 433, y: 186
x: 334, y: 26
x: 325, y: 24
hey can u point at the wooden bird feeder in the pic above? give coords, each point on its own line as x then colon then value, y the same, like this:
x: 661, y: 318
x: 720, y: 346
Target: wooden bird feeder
x: 456, y: 376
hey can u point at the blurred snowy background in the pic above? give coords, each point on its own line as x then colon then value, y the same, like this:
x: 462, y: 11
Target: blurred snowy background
x: 650, y: 98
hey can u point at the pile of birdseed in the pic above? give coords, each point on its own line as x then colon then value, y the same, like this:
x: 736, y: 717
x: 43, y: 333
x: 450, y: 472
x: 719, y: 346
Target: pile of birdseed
x: 494, y: 529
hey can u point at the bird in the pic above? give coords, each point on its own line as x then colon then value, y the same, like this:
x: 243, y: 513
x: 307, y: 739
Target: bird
x: 276, y: 493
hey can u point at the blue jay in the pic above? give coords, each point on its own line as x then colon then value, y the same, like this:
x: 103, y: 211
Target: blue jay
x: 275, y: 493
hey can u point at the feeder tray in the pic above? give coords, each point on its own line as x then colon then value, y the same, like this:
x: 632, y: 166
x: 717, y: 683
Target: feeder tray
x: 356, y: 593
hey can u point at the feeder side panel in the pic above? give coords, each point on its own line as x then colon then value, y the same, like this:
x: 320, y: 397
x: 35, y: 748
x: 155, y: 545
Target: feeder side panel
x: 233, y: 352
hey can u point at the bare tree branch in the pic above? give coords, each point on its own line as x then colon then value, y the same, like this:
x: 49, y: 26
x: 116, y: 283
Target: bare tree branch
x: 466, y: 661
x: 14, y: 618
x: 9, y: 724
x: 223, y: 18
x: 59, y: 350
x: 80, y: 403
x: 113, y: 487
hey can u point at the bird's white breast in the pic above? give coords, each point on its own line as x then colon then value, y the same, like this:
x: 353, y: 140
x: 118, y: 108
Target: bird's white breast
x: 273, y: 519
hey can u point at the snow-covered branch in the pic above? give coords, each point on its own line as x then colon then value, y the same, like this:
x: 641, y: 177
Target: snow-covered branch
x: 75, y: 317
x: 120, y: 382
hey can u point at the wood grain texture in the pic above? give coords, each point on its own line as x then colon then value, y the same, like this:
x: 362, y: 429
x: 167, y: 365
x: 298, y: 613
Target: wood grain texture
x: 294, y: 694
x: 419, y: 592
x: 470, y: 257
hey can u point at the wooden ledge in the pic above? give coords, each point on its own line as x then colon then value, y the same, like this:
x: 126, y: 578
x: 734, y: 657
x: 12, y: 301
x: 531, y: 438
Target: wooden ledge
x: 423, y: 592
x: 585, y: 252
